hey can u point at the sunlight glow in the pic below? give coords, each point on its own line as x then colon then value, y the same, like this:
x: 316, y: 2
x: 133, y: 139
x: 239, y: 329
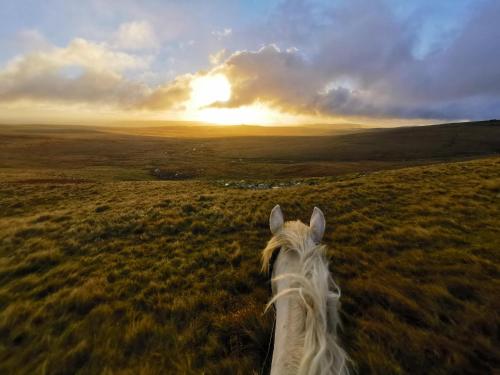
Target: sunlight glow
x: 209, y: 89
x: 216, y: 88
x: 255, y: 114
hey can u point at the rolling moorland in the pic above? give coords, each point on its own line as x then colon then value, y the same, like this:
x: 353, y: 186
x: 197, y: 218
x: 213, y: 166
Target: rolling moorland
x: 105, y: 153
x: 127, y: 251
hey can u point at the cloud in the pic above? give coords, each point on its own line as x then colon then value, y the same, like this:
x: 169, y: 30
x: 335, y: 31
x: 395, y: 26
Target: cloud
x: 217, y: 57
x: 363, y: 65
x: 224, y: 33
x: 136, y: 35
x: 281, y: 78
x: 469, y: 66
x: 82, y: 72
x: 364, y: 48
x: 171, y: 95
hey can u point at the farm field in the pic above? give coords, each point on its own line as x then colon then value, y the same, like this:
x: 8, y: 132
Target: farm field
x: 107, y: 266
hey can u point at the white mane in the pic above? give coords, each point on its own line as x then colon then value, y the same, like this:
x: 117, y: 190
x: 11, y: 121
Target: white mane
x: 318, y: 300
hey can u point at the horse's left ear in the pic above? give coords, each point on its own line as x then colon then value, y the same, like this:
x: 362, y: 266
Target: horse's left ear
x: 317, y: 224
x: 276, y: 219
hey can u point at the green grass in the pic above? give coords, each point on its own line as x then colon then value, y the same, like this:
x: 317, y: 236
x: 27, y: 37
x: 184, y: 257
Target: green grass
x: 156, y: 277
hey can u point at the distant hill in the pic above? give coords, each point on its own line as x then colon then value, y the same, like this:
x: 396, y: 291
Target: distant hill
x: 236, y: 152
x: 181, y: 129
x: 200, y: 130
x: 382, y: 144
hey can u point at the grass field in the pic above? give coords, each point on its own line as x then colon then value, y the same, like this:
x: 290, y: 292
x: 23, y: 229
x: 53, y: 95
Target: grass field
x: 237, y: 152
x: 106, y: 269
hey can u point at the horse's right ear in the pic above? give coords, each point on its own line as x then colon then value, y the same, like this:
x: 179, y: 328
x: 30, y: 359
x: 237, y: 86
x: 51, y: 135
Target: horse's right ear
x: 276, y: 220
x: 317, y: 225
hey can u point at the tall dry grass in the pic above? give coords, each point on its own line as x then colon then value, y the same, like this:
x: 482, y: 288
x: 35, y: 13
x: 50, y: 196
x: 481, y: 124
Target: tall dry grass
x: 163, y: 277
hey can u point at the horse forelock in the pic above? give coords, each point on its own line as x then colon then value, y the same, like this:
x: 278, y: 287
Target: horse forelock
x: 294, y: 236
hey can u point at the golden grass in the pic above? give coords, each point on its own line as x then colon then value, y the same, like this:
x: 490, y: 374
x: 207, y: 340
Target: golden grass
x: 160, y: 277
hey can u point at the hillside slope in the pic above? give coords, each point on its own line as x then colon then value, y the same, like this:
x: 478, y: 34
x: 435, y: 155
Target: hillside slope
x: 105, y: 153
x: 163, y: 277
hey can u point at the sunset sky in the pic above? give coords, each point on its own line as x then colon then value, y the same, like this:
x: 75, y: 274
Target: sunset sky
x: 253, y: 62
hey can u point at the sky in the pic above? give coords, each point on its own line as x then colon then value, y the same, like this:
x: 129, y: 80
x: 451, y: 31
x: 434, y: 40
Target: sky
x: 254, y: 62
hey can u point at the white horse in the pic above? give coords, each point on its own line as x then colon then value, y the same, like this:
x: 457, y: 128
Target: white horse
x: 305, y: 297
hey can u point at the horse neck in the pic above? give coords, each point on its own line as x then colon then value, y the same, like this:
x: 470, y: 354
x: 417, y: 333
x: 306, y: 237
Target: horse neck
x: 288, y: 336
x: 305, y: 320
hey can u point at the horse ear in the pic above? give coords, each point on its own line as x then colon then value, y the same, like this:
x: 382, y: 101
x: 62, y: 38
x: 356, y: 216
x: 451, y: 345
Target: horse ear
x: 317, y: 224
x: 276, y: 220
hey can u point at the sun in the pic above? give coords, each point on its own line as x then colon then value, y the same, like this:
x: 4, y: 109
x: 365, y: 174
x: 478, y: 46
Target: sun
x: 209, y: 89
x: 216, y: 88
